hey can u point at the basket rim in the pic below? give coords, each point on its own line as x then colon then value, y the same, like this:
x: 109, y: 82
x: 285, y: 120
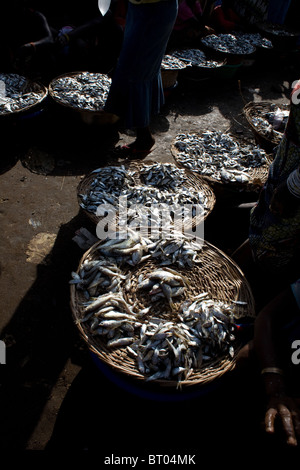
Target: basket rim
x: 209, y: 371
x: 44, y: 95
x: 251, y: 105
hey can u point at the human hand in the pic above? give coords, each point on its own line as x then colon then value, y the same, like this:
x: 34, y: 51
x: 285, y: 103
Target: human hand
x: 283, y: 203
x: 62, y: 39
x: 283, y: 407
x: 23, y: 57
x: 26, y: 52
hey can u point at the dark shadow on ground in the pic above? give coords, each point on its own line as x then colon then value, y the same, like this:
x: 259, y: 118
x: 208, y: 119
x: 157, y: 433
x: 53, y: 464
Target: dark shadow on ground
x: 107, y: 414
x: 39, y: 338
x: 62, y: 144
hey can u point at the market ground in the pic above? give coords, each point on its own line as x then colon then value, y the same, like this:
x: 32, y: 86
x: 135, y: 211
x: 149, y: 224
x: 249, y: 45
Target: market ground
x: 53, y: 396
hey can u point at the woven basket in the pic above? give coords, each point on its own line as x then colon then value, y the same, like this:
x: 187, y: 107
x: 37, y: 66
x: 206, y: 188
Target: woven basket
x: 193, y: 181
x: 169, y: 77
x: 217, y: 274
x: 260, y: 109
x: 201, y: 72
x: 29, y: 87
x: 86, y: 115
x: 258, y: 175
x: 287, y: 40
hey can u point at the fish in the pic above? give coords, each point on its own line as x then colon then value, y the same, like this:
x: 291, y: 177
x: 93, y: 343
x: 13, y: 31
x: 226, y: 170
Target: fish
x: 161, y: 185
x: 171, y: 62
x: 17, y: 93
x: 195, y: 58
x: 83, y: 90
x: 255, y: 39
x: 218, y: 155
x: 229, y: 43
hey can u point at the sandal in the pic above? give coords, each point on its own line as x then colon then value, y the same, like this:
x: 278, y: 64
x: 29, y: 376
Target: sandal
x: 128, y: 151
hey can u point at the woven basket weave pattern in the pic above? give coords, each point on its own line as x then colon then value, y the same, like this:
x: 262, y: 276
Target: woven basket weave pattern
x: 217, y: 274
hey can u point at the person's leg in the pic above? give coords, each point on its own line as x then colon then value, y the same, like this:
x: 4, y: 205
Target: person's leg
x: 136, y: 92
x: 144, y: 140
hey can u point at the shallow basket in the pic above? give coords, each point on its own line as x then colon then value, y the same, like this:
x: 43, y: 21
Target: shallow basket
x: 193, y: 181
x: 30, y: 86
x: 285, y: 40
x: 258, y: 176
x: 86, y: 115
x: 260, y: 109
x: 217, y: 274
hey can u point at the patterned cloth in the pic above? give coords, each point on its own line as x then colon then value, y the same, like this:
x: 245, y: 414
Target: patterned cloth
x: 275, y: 240
x: 186, y: 12
x: 252, y: 11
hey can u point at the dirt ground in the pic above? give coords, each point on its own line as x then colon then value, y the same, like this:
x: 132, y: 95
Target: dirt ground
x: 53, y: 395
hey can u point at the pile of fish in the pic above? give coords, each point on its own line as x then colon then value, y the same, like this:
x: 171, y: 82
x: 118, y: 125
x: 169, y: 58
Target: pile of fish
x: 268, y: 122
x: 106, y: 187
x: 175, y: 349
x: 178, y: 251
x: 218, y: 155
x: 85, y: 90
x: 228, y: 43
x: 96, y: 276
x: 255, y: 39
x: 16, y: 93
x: 279, y: 30
x: 113, y: 318
x: 134, y: 247
x: 171, y: 62
x: 163, y: 283
x: 160, y: 184
x: 195, y: 58
x: 163, y: 176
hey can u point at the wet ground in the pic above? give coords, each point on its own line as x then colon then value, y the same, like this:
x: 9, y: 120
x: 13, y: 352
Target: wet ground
x: 53, y: 395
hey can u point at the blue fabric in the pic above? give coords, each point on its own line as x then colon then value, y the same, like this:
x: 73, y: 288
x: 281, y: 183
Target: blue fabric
x: 278, y: 10
x: 136, y: 91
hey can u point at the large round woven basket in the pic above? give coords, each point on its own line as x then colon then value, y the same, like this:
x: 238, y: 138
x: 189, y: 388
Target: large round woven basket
x: 88, y: 116
x: 216, y: 274
x: 29, y: 86
x: 257, y: 175
x: 259, y: 109
x: 193, y: 182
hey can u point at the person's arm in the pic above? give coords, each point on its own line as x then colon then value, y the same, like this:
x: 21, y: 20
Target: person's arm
x: 80, y: 31
x: 26, y: 52
x: 266, y: 343
x: 47, y: 36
